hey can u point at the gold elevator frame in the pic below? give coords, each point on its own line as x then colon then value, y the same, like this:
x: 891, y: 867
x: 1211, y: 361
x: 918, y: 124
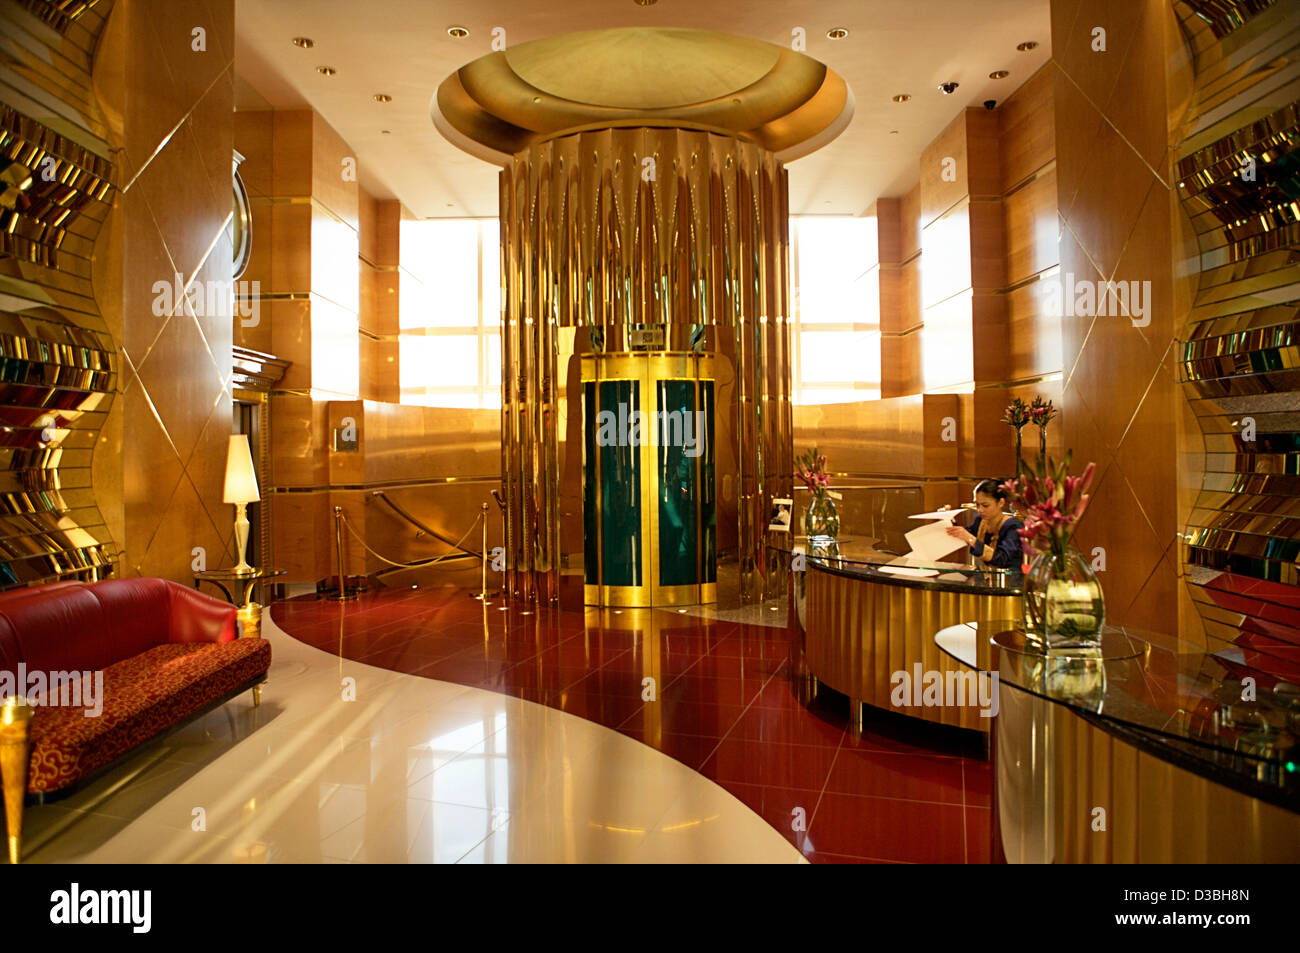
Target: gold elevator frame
x: 647, y: 369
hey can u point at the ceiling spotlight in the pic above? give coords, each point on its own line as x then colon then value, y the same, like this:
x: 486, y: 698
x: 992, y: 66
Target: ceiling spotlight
x: 326, y: 70
x: 838, y: 33
x: 902, y: 98
x: 948, y: 88
x: 303, y: 42
x: 1026, y: 46
x: 457, y: 32
x: 382, y: 98
x: 999, y: 74
x: 646, y: 3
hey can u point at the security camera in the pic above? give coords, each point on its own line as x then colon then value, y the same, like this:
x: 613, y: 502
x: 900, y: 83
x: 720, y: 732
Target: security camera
x: 948, y: 88
x: 990, y: 104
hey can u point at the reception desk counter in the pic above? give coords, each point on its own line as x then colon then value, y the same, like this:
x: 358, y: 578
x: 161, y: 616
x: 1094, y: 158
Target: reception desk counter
x: 869, y: 624
x: 1156, y: 752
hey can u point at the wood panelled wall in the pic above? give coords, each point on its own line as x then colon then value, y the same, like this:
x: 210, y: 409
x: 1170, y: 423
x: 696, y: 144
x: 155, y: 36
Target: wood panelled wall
x: 170, y: 118
x: 328, y: 256
x: 379, y: 238
x: 965, y: 325
x: 1114, y: 190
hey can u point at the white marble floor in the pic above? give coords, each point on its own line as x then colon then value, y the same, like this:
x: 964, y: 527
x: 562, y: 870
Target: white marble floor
x: 411, y: 771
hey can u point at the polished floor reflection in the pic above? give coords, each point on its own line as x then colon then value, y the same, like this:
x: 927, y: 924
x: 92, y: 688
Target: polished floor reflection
x: 711, y: 688
x: 348, y: 762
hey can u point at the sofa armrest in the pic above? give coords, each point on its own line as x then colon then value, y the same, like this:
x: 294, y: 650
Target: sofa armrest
x: 198, y: 617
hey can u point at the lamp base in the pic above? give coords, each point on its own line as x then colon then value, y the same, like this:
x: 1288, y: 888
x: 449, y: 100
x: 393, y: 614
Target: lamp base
x: 241, y: 538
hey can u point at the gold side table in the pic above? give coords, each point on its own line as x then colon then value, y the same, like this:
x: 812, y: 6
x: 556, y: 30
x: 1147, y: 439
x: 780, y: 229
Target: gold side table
x: 249, y: 612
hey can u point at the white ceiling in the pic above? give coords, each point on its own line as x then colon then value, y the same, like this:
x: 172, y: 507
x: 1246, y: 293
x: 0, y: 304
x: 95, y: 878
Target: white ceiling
x: 401, y: 48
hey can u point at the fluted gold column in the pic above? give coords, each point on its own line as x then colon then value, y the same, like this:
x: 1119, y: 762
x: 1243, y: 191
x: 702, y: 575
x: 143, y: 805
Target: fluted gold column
x: 613, y: 235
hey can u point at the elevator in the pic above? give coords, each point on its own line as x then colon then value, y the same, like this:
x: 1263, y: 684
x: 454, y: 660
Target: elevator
x: 649, y: 499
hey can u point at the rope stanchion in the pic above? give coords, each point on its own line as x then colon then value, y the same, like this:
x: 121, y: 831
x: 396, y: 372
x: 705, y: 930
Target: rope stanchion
x: 416, y: 565
x: 342, y: 595
x: 341, y: 522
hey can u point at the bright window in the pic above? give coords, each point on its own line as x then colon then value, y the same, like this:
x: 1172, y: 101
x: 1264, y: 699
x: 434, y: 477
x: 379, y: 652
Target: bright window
x: 450, y: 313
x: 836, y: 319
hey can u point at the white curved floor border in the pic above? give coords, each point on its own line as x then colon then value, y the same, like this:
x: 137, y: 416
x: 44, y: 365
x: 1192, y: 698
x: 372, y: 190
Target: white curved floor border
x: 411, y: 771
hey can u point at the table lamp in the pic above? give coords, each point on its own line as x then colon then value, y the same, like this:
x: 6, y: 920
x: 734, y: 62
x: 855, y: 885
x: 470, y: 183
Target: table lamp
x: 241, y: 489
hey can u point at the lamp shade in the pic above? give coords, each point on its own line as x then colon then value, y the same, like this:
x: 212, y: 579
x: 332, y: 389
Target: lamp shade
x: 241, y: 478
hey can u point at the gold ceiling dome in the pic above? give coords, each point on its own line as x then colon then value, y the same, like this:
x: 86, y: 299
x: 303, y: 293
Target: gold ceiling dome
x: 499, y: 104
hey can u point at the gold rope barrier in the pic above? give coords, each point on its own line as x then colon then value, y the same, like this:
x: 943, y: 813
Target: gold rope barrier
x: 341, y: 522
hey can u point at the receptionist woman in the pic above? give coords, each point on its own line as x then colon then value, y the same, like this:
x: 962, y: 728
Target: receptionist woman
x: 991, y: 534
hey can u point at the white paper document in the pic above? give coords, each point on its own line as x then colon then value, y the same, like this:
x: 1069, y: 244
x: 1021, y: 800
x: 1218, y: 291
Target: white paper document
x: 931, y: 542
x: 939, y: 514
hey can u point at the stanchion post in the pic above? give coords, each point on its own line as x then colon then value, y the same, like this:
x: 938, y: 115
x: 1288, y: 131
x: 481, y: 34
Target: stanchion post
x: 483, y: 517
x: 338, y: 552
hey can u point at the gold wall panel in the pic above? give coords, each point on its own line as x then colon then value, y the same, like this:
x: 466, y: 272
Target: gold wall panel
x: 58, y: 367
x: 859, y: 632
x: 60, y: 14
x: 1239, y: 357
x: 1054, y: 768
x: 597, y: 239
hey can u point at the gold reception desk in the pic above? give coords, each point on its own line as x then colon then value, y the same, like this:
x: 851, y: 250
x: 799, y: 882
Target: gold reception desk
x: 869, y: 629
x: 1147, y: 755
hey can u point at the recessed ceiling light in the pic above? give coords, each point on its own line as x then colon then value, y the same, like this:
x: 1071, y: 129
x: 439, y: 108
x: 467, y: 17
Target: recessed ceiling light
x: 303, y: 42
x: 902, y: 98
x: 646, y: 3
x: 893, y: 132
x: 457, y: 32
x: 382, y: 98
x: 838, y: 33
x: 385, y: 132
x: 999, y: 74
x: 735, y: 102
x: 537, y: 99
x: 326, y: 70
x: 1026, y: 46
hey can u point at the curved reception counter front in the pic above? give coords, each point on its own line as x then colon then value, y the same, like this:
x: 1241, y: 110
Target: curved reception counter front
x: 1152, y: 752
x: 869, y: 620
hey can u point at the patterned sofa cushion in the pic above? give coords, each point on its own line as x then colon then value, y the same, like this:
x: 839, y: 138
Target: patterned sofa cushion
x: 143, y: 696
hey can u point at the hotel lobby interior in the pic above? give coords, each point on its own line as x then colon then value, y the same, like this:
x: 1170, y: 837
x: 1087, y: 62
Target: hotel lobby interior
x: 639, y: 431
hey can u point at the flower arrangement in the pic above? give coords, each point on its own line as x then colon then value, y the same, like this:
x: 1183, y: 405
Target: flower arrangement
x: 1042, y: 413
x: 1017, y: 415
x: 821, y: 521
x: 810, y: 470
x: 1053, y: 502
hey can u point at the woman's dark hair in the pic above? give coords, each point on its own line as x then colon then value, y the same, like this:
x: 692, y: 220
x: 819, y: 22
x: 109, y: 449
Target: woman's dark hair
x: 992, y: 488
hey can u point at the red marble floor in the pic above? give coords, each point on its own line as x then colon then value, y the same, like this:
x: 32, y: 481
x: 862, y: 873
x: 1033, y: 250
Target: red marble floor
x: 725, y: 705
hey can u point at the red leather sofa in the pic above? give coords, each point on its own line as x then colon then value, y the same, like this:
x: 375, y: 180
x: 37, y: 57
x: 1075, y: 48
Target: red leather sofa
x: 167, y: 654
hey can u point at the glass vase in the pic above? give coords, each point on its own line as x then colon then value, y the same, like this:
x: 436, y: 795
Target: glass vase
x: 1064, y: 610
x: 821, y: 522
